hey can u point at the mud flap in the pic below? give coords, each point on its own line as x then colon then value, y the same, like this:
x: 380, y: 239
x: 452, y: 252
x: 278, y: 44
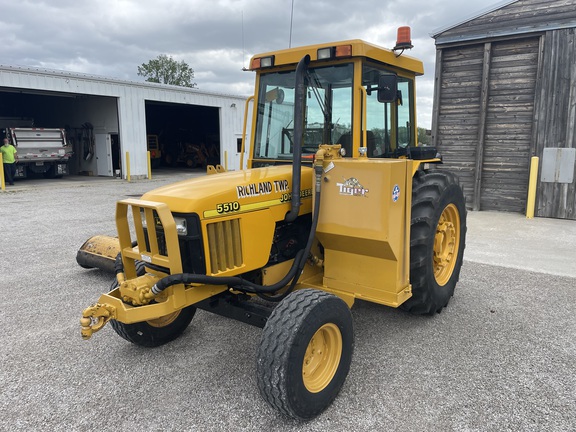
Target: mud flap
x: 99, y: 252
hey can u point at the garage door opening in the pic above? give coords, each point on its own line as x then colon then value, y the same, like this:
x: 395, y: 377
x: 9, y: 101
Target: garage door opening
x: 182, y: 135
x: 82, y: 117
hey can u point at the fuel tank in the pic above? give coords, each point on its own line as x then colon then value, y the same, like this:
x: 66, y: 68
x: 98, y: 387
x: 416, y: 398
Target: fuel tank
x: 364, y: 228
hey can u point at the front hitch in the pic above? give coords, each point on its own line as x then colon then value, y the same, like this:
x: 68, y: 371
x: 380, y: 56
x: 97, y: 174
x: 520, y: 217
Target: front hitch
x: 135, y: 292
x: 95, y: 317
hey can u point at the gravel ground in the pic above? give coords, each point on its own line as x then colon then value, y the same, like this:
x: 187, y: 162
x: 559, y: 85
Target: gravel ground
x: 501, y: 357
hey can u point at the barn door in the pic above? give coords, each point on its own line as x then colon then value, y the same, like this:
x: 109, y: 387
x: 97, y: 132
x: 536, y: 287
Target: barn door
x: 509, y: 111
x: 484, y: 113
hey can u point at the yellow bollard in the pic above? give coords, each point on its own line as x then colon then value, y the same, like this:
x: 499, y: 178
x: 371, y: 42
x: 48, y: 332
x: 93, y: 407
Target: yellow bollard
x: 149, y: 166
x: 532, y: 183
x: 128, y: 166
x: 2, y: 181
x: 226, y: 160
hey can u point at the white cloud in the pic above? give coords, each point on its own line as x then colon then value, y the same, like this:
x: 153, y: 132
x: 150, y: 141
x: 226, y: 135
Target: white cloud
x: 216, y: 38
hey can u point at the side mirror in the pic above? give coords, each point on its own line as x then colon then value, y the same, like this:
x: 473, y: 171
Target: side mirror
x: 387, y: 88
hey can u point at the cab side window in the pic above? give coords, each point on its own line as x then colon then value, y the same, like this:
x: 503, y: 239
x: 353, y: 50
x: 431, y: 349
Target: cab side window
x: 388, y: 125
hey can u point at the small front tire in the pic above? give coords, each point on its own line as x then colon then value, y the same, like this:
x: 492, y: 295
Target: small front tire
x: 154, y: 333
x: 305, y: 353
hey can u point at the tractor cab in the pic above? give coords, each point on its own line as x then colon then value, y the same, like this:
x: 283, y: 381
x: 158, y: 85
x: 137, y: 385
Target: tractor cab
x: 357, y: 95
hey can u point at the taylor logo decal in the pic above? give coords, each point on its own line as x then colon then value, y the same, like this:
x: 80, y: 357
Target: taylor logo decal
x: 352, y: 187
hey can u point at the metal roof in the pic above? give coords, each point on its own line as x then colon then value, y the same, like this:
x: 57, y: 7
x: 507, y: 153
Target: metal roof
x: 478, y: 14
x: 516, y: 19
x: 84, y: 77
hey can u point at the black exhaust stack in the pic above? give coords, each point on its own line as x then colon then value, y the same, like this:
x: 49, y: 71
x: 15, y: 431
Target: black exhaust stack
x: 299, y: 110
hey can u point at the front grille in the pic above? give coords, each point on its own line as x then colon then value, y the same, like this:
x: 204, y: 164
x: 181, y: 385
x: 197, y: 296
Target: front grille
x: 191, y: 248
x: 225, y: 245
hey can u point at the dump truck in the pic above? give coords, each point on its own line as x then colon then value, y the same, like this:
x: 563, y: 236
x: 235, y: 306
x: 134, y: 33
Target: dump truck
x: 43, y: 151
x: 292, y: 241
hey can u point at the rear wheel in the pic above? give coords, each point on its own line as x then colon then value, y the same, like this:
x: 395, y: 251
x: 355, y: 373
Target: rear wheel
x: 437, y: 240
x: 156, y: 332
x: 305, y: 353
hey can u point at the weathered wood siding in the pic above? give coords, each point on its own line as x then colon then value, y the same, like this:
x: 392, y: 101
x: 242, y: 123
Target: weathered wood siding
x: 457, y: 106
x: 484, y: 117
x: 508, y: 127
x: 506, y: 91
x: 555, y: 119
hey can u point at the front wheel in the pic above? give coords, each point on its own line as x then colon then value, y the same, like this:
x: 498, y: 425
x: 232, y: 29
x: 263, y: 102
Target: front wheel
x: 305, y: 353
x: 154, y: 332
x: 437, y: 240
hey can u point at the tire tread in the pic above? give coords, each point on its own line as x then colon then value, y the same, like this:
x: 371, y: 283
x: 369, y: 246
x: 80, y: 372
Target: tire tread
x: 429, y: 190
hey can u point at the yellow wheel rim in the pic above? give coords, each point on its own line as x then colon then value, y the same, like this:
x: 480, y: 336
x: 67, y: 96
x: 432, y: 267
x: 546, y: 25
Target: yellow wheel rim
x: 446, y: 244
x: 322, y: 358
x: 165, y: 320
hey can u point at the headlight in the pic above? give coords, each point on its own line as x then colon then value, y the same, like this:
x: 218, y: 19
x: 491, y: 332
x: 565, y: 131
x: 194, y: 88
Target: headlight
x: 143, y: 218
x: 181, y: 227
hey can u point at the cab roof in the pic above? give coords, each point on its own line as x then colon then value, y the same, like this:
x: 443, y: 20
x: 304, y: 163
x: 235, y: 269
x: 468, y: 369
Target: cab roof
x: 359, y: 48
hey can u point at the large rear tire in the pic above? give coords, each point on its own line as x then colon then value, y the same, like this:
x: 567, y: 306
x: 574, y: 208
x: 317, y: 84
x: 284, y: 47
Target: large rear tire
x: 437, y: 240
x: 155, y: 332
x: 305, y: 353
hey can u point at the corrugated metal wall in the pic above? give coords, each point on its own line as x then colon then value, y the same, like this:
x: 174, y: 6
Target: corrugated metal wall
x: 131, y: 97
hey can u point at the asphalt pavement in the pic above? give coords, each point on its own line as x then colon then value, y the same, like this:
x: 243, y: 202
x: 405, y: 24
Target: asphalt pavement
x: 500, y: 357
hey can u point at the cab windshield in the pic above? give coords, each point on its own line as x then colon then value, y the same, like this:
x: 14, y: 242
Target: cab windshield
x: 328, y: 118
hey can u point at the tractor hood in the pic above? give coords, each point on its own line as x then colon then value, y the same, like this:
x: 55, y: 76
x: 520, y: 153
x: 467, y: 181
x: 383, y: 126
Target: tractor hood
x: 233, y: 192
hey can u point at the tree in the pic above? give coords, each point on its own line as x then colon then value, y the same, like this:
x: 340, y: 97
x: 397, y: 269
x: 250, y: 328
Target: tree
x: 165, y: 70
x: 424, y: 136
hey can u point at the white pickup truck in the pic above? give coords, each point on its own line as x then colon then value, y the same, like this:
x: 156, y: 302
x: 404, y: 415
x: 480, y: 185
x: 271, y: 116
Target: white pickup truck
x: 41, y: 151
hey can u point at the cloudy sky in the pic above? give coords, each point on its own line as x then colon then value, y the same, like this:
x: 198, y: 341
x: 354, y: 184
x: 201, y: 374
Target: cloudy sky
x: 215, y: 37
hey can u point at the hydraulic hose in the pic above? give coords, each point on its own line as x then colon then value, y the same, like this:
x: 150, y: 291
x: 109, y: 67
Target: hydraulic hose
x: 118, y: 266
x: 308, y: 247
x: 233, y: 281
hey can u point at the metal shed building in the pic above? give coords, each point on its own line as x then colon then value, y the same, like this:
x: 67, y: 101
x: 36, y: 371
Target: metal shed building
x: 505, y: 90
x: 118, y: 113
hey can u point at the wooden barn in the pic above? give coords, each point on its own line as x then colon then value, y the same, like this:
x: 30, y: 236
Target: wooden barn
x: 505, y: 90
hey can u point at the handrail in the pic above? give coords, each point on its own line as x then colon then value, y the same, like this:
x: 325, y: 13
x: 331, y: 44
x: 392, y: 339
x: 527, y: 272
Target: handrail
x: 251, y: 98
x: 364, y: 108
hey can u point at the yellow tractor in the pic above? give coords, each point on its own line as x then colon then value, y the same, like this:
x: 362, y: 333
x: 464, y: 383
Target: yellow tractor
x: 338, y: 203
